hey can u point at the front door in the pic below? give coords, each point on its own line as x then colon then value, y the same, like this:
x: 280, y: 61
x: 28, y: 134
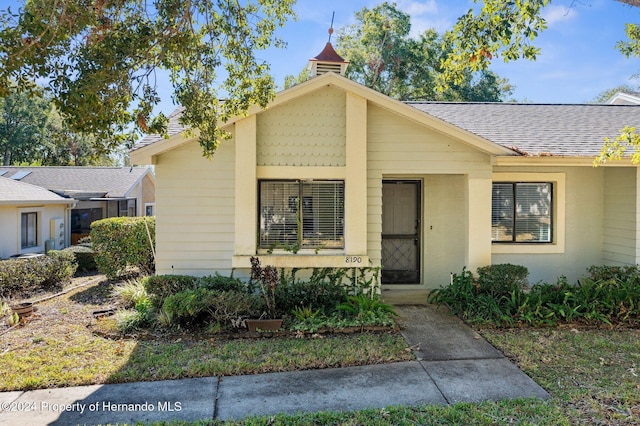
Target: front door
x: 401, y: 232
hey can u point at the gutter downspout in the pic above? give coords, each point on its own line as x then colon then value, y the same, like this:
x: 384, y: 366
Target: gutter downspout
x: 67, y: 220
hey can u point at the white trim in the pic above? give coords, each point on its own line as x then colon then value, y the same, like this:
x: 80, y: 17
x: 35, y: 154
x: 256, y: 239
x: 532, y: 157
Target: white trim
x: 40, y: 230
x: 153, y: 209
x: 558, y: 215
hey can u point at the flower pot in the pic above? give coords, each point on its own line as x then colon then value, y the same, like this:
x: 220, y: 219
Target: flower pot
x: 264, y: 324
x: 23, y: 309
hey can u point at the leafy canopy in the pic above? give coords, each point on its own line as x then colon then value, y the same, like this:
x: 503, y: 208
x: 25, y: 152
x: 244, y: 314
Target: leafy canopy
x: 99, y: 60
x: 383, y: 56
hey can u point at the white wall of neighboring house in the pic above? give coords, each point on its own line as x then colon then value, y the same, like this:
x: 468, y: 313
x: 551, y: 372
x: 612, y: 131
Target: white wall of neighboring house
x: 10, y: 219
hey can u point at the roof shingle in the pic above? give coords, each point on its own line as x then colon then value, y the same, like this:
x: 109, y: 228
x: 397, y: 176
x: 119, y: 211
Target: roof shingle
x: 112, y: 182
x: 539, y: 129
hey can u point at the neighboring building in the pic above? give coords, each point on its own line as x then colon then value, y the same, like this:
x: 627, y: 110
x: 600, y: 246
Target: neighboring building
x: 29, y: 216
x: 625, y: 98
x: 101, y: 192
x: 347, y: 177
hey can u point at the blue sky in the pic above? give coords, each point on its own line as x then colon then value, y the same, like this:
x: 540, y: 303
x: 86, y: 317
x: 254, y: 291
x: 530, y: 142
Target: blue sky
x: 578, y: 59
x: 577, y: 62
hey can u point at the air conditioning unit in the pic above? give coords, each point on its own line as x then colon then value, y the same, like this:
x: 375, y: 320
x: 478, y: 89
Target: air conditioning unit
x: 57, y: 233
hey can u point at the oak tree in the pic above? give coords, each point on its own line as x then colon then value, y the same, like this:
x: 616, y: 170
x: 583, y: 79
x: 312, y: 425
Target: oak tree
x: 99, y: 60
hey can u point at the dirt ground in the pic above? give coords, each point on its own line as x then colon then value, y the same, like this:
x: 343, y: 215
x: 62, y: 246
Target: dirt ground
x: 58, y: 310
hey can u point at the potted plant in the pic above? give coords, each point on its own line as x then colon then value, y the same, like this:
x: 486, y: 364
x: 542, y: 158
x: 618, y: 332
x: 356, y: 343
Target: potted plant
x: 268, y: 280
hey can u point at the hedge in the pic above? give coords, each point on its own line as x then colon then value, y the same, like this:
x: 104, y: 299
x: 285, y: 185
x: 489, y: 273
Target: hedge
x: 34, y: 273
x: 84, y: 256
x: 122, y: 243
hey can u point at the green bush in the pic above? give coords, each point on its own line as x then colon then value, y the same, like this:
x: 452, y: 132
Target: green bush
x: 31, y: 274
x: 318, y: 295
x: 159, y: 287
x: 501, y: 279
x: 226, y: 308
x: 614, y: 299
x: 221, y: 283
x: 621, y: 273
x: 84, y: 257
x: 122, y: 243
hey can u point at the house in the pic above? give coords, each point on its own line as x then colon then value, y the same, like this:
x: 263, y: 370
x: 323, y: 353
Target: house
x: 100, y: 192
x: 625, y: 98
x: 334, y: 174
x: 29, y: 216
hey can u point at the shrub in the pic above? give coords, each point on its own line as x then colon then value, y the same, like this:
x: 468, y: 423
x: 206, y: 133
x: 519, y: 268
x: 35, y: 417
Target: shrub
x: 122, y: 243
x: 221, y: 283
x: 84, y: 257
x: 159, y: 287
x: 501, y: 279
x: 610, y: 300
x: 621, y: 273
x: 31, y: 274
x: 194, y: 306
x: 323, y: 296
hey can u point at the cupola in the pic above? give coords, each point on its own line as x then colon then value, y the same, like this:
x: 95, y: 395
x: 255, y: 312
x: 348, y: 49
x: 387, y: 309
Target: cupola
x: 327, y: 61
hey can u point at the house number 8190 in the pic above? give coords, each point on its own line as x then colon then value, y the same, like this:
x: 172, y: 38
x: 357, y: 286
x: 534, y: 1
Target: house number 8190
x: 353, y: 259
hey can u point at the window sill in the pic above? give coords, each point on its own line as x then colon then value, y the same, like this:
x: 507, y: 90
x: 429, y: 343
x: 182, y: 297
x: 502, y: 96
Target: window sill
x: 304, y: 260
x: 524, y: 248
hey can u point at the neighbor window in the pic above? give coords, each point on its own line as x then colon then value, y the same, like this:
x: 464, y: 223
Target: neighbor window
x: 28, y: 230
x: 521, y: 212
x: 301, y: 214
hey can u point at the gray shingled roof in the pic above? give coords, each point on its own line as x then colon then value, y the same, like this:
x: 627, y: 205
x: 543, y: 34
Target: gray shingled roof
x: 530, y: 129
x: 111, y: 182
x: 16, y: 192
x: 173, y: 128
x: 539, y: 129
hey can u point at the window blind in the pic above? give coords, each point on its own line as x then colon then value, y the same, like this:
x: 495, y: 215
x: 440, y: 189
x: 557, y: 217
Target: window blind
x: 306, y: 214
x: 521, y: 212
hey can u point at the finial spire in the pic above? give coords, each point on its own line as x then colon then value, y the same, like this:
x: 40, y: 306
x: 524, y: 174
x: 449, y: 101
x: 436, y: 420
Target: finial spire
x: 331, y: 27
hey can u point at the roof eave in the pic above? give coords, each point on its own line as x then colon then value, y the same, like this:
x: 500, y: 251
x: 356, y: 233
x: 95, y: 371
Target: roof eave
x: 557, y: 160
x: 148, y: 153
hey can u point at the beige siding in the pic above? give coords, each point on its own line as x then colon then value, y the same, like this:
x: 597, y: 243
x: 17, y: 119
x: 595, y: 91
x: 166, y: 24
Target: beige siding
x: 307, y: 131
x: 620, y: 214
x: 148, y: 191
x: 583, y: 227
x: 444, y: 239
x: 401, y: 149
x: 195, y: 210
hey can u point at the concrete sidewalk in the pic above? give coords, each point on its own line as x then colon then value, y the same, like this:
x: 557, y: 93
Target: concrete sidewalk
x: 454, y: 364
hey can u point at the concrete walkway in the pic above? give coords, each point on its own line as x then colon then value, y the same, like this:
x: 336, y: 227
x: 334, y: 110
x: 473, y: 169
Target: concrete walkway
x: 453, y: 364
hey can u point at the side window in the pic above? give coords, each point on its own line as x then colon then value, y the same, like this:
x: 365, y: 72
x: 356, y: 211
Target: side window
x: 521, y: 212
x: 28, y: 230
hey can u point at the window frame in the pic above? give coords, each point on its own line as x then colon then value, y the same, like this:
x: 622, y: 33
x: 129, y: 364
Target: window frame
x: 300, y: 220
x: 514, y: 217
x: 558, y: 212
x: 39, y: 246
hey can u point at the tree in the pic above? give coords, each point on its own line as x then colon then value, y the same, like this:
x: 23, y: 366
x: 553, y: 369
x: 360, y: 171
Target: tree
x: 32, y: 132
x: 23, y: 120
x: 507, y: 29
x: 384, y: 57
x: 605, y: 95
x: 99, y: 60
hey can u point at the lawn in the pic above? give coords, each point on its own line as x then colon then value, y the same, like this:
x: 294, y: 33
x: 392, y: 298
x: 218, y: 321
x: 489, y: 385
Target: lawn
x: 592, y: 373
x: 64, y: 345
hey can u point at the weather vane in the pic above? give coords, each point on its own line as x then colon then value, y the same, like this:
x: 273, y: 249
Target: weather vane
x: 331, y: 27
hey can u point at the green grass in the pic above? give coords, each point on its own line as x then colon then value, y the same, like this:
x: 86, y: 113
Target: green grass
x: 78, y: 359
x: 593, y: 376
